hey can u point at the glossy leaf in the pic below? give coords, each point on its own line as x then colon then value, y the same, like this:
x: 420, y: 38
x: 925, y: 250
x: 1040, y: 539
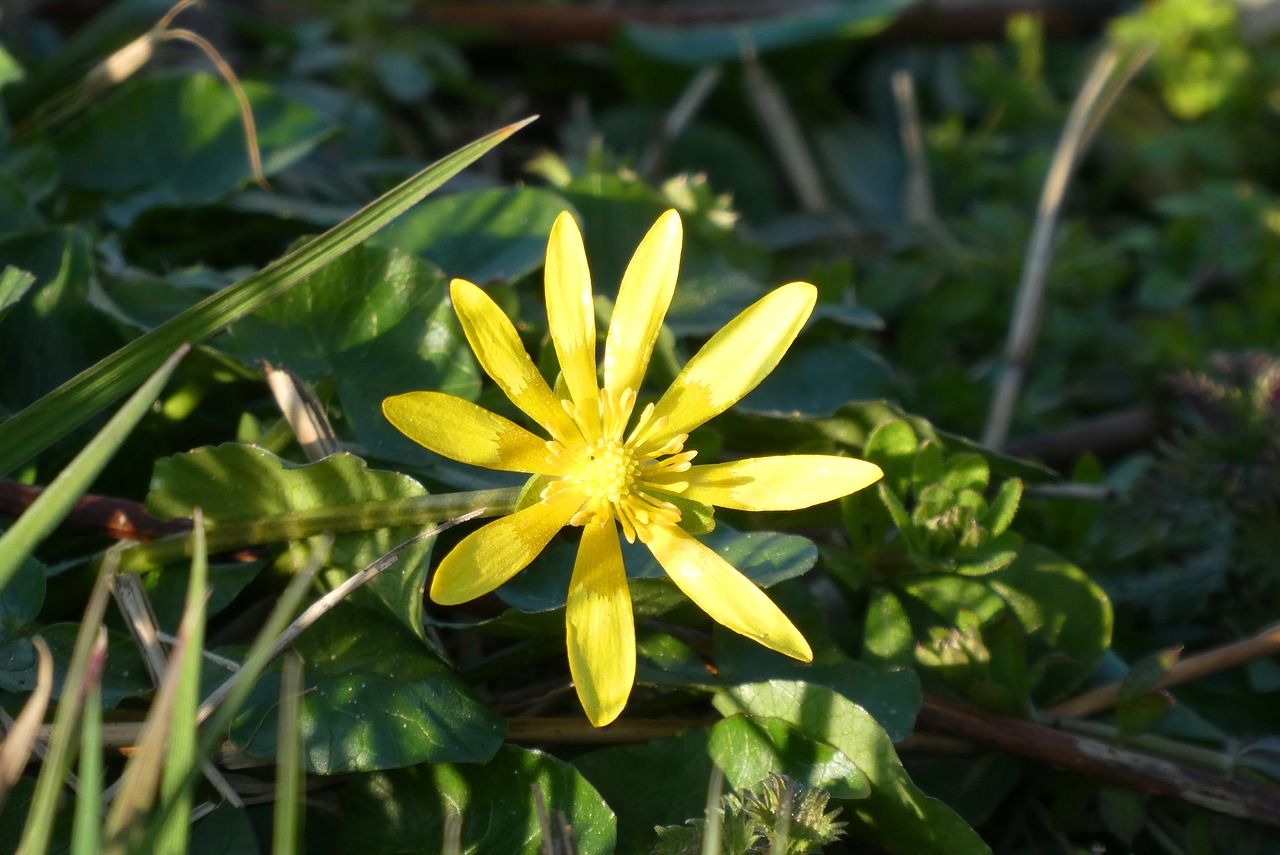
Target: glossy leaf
x: 494, y: 235
x: 897, y: 816
x: 748, y: 748
x: 195, y: 146
x: 1061, y: 609
x: 214, y: 479
x: 374, y: 323
x: 376, y: 698
x: 815, y: 379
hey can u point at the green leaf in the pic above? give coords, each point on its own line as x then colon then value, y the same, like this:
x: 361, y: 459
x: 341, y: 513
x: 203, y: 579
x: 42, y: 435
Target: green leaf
x: 21, y: 598
x: 167, y: 590
x: 892, y: 447
x: 376, y: 698
x: 815, y: 379
x: 897, y: 816
x: 1123, y: 812
x: 965, y: 472
x: 179, y: 141
x: 928, y: 466
x: 55, y: 318
x: 125, y: 676
x: 1142, y: 677
x: 76, y: 401
x: 374, y: 323
x: 854, y: 424
x: 888, y: 637
x: 1135, y: 716
x: 10, y: 70
x: 1003, y: 507
x: 947, y: 596
x: 215, y: 478
x: 703, y: 44
x: 224, y: 829
x: 404, y: 810
x: 14, y: 282
x: 663, y: 782
x: 491, y: 235
x: 748, y: 749
x: 972, y: 786
x: 1061, y: 610
x: 900, y: 515
x: 868, y: 169
x: 891, y: 694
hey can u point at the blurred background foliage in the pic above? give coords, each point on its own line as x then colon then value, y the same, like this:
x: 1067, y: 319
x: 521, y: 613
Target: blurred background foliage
x: 892, y: 153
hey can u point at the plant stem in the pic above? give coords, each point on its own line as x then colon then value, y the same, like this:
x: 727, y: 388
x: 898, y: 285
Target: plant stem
x: 338, y: 519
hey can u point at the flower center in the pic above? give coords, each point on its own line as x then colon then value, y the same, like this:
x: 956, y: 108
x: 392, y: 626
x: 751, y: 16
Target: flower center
x: 623, y: 480
x: 609, y: 471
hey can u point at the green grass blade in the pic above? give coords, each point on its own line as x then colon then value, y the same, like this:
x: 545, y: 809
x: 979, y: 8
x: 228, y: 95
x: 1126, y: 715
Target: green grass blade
x: 255, y: 662
x: 86, y: 832
x: 92, y: 390
x: 177, y: 783
x: 289, y: 773
x: 62, y: 739
x: 52, y: 506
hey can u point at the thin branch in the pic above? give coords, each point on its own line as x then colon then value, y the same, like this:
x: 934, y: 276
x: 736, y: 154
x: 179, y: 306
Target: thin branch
x: 1102, y: 761
x: 1260, y: 646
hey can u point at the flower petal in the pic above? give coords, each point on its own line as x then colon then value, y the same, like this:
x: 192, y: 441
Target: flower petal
x: 498, y: 348
x: 600, y: 630
x: 784, y: 483
x: 571, y: 315
x: 734, y: 361
x: 462, y: 431
x: 722, y: 592
x: 494, y: 553
x: 642, y: 303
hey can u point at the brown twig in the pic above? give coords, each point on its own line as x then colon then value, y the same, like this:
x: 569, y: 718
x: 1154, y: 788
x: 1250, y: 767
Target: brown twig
x: 1102, y: 761
x: 1106, y: 435
x: 109, y: 516
x: 1260, y: 646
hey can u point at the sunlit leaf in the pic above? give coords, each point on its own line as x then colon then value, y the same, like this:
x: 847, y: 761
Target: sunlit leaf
x: 215, y: 478
x: 897, y: 816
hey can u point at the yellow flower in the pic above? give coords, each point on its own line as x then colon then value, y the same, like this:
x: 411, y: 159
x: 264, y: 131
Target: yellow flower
x: 597, y: 475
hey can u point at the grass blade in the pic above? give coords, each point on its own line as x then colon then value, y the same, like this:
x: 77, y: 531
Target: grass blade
x: 92, y: 390
x: 44, y: 803
x: 52, y: 506
x: 177, y: 784
x: 289, y: 773
x: 257, y: 658
x: 86, y: 832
